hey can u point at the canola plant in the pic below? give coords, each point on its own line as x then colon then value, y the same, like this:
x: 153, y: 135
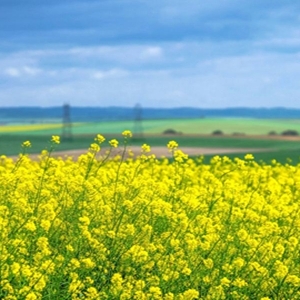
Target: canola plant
x: 125, y: 227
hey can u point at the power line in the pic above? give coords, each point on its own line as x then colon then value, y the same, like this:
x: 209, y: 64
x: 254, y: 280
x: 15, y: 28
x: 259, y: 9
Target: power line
x: 138, y: 126
x: 66, y: 124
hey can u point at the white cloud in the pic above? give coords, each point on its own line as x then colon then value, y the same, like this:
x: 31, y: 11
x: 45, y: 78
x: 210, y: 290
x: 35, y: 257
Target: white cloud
x: 31, y: 71
x: 118, y: 54
x: 113, y: 73
x: 151, y: 52
x: 203, y: 74
x: 12, y: 72
x: 21, y: 71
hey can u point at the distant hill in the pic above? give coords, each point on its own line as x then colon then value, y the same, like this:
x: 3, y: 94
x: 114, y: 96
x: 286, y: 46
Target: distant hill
x: 85, y: 114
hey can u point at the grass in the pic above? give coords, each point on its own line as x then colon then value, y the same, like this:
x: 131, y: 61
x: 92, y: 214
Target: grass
x: 278, y: 149
x: 186, y: 126
x: 195, y: 134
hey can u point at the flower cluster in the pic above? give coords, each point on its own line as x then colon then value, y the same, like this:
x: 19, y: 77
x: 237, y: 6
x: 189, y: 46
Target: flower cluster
x: 26, y: 144
x: 148, y: 228
x: 55, y: 139
x: 127, y: 133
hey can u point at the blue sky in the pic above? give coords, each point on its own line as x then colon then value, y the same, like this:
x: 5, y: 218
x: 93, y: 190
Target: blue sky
x: 206, y: 54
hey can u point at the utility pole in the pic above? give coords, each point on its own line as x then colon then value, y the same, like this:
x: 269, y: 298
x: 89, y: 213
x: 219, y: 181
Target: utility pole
x: 67, y: 125
x: 138, y: 128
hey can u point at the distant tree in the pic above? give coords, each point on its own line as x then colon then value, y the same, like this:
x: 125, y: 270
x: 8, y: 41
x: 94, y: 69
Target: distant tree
x: 290, y: 132
x: 272, y: 132
x: 171, y: 131
x: 217, y: 132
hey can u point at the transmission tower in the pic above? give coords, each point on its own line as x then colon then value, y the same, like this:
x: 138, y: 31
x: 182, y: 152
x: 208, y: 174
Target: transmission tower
x: 138, y: 128
x: 67, y: 125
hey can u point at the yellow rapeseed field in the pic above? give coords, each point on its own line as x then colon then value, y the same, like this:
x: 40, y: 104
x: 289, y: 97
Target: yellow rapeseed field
x: 147, y: 228
x: 28, y: 127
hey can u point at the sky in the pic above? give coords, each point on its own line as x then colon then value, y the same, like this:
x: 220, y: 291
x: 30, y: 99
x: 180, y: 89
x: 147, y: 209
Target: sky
x: 158, y: 53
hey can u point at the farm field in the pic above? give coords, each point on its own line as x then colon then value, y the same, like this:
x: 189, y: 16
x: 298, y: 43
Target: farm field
x: 195, y: 133
x: 272, y: 148
x: 177, y: 228
x: 185, y: 126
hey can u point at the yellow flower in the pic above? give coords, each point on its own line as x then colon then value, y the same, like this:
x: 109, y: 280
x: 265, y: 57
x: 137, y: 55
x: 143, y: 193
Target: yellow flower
x: 44, y: 152
x: 26, y: 144
x: 208, y: 263
x: 225, y: 281
x: 186, y: 271
x: 69, y: 248
x: 94, y: 148
x: 249, y: 157
x: 169, y: 296
x: 146, y: 148
x: 45, y: 224
x: 99, y: 138
x: 242, y: 234
x: 180, y: 156
x: 84, y: 220
x: 55, y: 139
x: 190, y: 294
x: 238, y: 282
x: 117, y: 280
x: 172, y: 145
x: 15, y: 268
x: 293, y: 279
x: 43, y: 245
x: 238, y: 262
x: 127, y: 133
x: 40, y: 283
x: 155, y: 292
x: 30, y: 226
x: 31, y: 296
x: 91, y: 293
x: 75, y: 263
x: 230, y: 227
x: 114, y: 143
x: 281, y: 269
x: 88, y: 263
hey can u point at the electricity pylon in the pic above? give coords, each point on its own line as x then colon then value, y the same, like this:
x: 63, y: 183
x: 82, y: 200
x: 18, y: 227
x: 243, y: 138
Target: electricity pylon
x: 67, y: 125
x: 138, y: 127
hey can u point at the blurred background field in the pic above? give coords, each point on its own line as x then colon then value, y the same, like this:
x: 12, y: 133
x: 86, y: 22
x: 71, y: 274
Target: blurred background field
x: 228, y: 126
x: 219, y: 133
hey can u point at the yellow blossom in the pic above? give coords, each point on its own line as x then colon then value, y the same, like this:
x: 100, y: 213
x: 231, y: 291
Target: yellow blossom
x: 30, y: 226
x: 225, y: 281
x: 94, y: 148
x: 26, y: 144
x: 55, y: 139
x: 146, y: 148
x: 91, y: 293
x: 147, y: 228
x: 99, y: 138
x: 31, y: 296
x: 172, y: 145
x: 249, y: 157
x: 190, y: 294
x: 114, y: 143
x: 127, y: 133
x: 238, y: 282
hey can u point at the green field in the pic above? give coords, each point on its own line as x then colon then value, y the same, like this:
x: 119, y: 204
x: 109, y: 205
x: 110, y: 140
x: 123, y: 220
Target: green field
x: 186, y: 126
x: 195, y: 133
